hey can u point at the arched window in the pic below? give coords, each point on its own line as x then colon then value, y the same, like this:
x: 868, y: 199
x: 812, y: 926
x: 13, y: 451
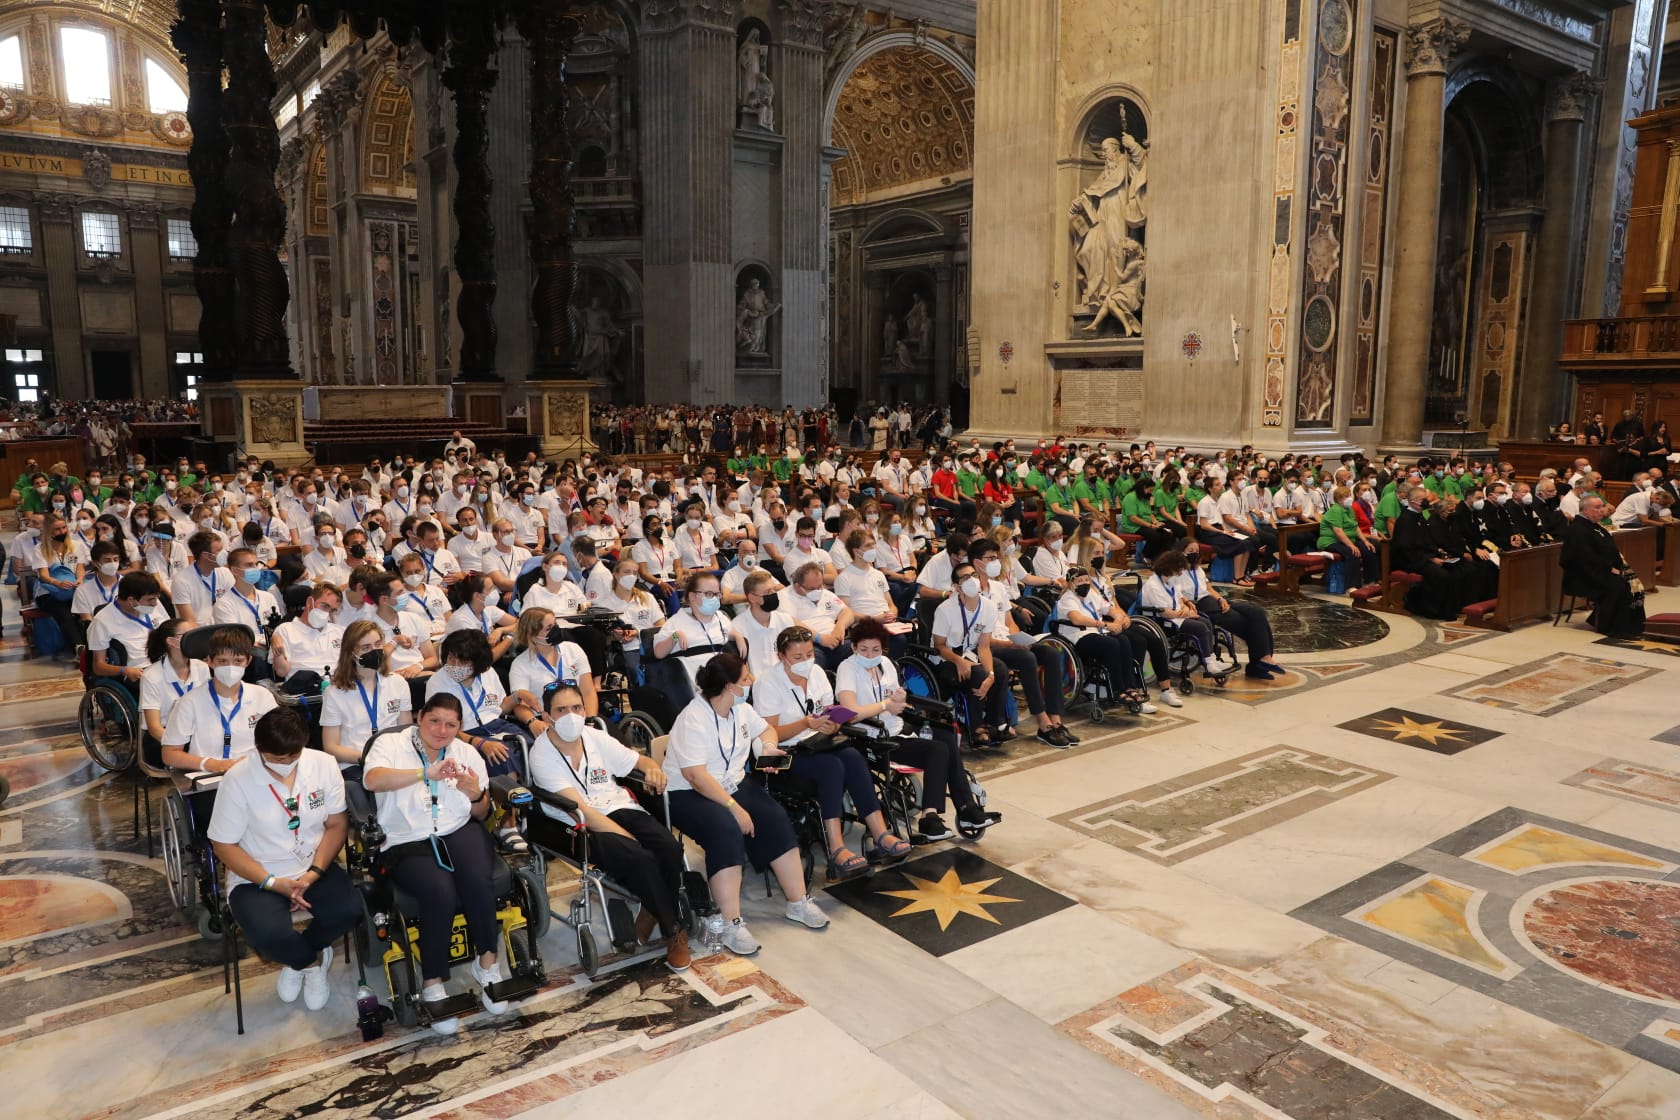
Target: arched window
x: 11, y: 63
x: 87, y: 65
x: 163, y: 93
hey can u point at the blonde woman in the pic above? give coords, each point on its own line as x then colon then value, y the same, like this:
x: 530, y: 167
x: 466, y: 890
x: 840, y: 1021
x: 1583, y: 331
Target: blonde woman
x: 639, y: 610
x: 363, y: 695
x: 548, y: 660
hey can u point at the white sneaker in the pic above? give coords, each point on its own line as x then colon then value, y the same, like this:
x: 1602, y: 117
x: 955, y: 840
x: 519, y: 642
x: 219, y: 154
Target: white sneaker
x: 1147, y: 709
x: 315, y: 990
x: 486, y: 977
x: 437, y: 994
x: 1218, y: 666
x: 737, y: 940
x: 1171, y: 699
x: 807, y: 912
x: 289, y: 984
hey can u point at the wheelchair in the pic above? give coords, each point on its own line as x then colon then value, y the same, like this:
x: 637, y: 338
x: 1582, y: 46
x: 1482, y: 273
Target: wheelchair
x: 109, y: 714
x: 898, y: 784
x: 390, y: 930
x: 632, y: 713
x: 600, y: 909
x: 1184, y: 657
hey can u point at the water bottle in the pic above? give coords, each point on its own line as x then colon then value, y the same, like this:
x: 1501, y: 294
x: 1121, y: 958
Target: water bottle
x: 369, y: 1015
x: 714, y: 933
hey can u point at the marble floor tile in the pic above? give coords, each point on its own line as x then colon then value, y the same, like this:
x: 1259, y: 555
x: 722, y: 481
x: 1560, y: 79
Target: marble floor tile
x: 1647, y: 1093
x: 999, y: 1062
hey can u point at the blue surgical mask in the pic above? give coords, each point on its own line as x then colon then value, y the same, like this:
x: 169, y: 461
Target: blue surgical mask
x: 252, y: 575
x: 709, y: 606
x: 869, y: 662
x: 997, y: 519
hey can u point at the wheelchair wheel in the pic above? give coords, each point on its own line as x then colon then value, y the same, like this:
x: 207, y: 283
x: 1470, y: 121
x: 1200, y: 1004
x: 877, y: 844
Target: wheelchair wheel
x: 589, y: 958
x: 110, y: 726
x: 1097, y: 714
x: 917, y: 676
x: 179, y: 859
x: 638, y: 730
x: 686, y: 918
x: 210, y: 925
x: 621, y: 925
x: 404, y: 998
x: 533, y: 889
x: 525, y: 962
x: 1073, y: 679
x: 1187, y: 686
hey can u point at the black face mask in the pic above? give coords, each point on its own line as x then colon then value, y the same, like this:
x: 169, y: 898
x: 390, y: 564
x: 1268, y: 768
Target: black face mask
x: 1082, y: 590
x: 1097, y: 563
x: 780, y: 523
x: 373, y: 659
x: 358, y: 550
x: 772, y: 602
x: 554, y: 634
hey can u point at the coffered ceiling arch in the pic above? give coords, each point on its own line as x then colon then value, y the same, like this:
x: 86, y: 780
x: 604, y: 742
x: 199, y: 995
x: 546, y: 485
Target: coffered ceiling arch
x: 905, y: 118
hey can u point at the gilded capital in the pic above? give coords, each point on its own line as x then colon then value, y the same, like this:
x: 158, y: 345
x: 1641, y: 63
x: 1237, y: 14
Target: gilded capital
x: 1568, y: 98
x: 1432, y: 48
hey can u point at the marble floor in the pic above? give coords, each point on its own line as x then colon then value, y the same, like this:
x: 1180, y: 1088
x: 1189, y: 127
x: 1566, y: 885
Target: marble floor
x: 1431, y: 872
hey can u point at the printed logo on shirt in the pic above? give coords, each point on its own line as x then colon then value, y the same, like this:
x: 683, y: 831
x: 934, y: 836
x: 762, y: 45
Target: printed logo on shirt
x: 598, y: 775
x: 393, y: 705
x: 317, y: 798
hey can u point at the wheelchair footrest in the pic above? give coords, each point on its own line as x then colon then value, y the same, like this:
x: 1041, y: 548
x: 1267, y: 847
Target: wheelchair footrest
x: 517, y: 988
x: 462, y: 1003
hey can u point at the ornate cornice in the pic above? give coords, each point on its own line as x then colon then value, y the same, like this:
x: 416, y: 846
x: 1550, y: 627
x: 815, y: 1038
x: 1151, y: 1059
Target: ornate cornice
x: 805, y: 21
x: 1432, y: 47
x: 667, y: 15
x: 1570, y: 97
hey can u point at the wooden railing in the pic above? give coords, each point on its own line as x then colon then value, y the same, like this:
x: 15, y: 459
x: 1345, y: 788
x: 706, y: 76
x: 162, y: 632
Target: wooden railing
x: 1621, y: 341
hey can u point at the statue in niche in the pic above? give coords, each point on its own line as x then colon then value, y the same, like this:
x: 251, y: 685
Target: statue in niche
x: 901, y: 362
x: 1107, y: 224
x: 756, y: 95
x: 752, y: 320
x: 889, y: 335
x: 600, y: 340
x: 918, y: 324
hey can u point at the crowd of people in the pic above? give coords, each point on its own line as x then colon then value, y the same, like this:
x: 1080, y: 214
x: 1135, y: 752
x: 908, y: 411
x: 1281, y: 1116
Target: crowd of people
x: 693, y: 429
x: 771, y: 590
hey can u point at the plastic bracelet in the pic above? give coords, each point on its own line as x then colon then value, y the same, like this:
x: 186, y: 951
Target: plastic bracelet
x: 267, y: 883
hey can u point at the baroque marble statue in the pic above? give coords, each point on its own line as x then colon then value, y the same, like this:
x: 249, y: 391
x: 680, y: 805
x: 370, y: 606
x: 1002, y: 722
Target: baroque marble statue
x: 756, y: 95
x: 752, y: 320
x: 600, y: 339
x: 918, y: 325
x: 1107, y: 222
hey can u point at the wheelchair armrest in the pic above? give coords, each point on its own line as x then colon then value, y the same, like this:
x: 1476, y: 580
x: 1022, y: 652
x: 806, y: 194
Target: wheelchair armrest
x: 506, y: 791
x: 929, y: 709
x: 554, y: 800
x: 863, y: 729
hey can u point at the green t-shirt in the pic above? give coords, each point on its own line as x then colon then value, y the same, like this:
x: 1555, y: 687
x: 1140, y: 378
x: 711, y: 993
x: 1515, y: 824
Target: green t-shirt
x: 1132, y: 506
x: 784, y: 468
x: 1091, y: 491
x: 1336, y: 517
x: 1036, y: 481
x: 969, y: 483
x: 1388, y: 508
x: 739, y: 467
x: 1124, y: 485
x: 1059, y: 496
x: 1169, y: 501
x: 1193, y: 497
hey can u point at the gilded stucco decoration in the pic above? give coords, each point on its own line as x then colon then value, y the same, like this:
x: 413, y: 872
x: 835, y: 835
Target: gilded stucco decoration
x: 388, y: 158
x: 906, y: 121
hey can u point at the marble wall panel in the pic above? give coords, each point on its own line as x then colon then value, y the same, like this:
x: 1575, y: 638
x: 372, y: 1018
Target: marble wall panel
x: 1373, y: 226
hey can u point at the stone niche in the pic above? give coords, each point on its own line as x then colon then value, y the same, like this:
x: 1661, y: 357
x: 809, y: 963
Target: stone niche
x: 1107, y: 221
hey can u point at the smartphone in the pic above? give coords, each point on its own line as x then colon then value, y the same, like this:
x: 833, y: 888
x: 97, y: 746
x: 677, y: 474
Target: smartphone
x: 775, y: 761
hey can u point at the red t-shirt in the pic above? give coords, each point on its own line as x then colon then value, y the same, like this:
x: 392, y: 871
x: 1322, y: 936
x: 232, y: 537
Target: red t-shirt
x: 945, y: 484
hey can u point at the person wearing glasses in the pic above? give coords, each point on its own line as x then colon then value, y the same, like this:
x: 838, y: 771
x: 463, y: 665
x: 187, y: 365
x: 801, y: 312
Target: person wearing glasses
x: 278, y: 826
x: 697, y: 631
x: 712, y: 744
x: 432, y: 793
x: 794, y: 698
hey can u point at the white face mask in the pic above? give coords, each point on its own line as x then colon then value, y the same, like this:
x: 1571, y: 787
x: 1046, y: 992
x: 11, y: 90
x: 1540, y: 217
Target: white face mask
x: 318, y: 618
x: 470, y: 531
x: 230, y: 675
x: 1478, y: 505
x: 749, y: 560
x: 326, y: 539
x: 1056, y: 545
x: 108, y: 569
x: 284, y: 769
x: 627, y: 582
x: 569, y: 726
x: 1347, y: 503
x: 800, y: 669
x: 492, y: 597
x: 971, y: 587
x: 506, y: 539
x: 414, y: 579
x: 557, y: 573
x: 994, y: 568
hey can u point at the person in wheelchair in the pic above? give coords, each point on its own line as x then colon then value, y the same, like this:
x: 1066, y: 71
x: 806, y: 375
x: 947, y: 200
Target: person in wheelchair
x: 636, y: 609
x: 625, y: 842
x: 962, y: 628
x: 1245, y: 620
x: 170, y: 676
x: 821, y: 611
x: 99, y: 589
x: 555, y: 590
x: 311, y: 642
x: 1102, y: 633
x: 278, y: 826
x: 1024, y: 662
x: 734, y: 820
x: 689, y: 633
x: 432, y: 793
x: 868, y: 684
x: 794, y: 699
x: 475, y: 598
x: 1163, y: 598
x: 469, y: 675
x: 548, y: 660
x: 362, y: 695
x: 212, y: 728
x: 128, y: 623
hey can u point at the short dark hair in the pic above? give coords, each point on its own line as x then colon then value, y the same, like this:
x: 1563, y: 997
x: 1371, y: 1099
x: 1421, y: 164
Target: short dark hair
x: 282, y: 732
x: 723, y: 670
x: 470, y: 646
x: 138, y: 585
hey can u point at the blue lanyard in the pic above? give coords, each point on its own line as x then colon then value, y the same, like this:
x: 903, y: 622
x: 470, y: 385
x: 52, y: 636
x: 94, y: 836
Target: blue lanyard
x: 431, y: 785
x: 484, y: 622
x: 734, y: 737
x: 1196, y: 583
x: 963, y: 614
x: 431, y: 562
x: 400, y: 506
x: 144, y: 619
x: 108, y: 596
x: 209, y: 584
x: 422, y: 603
x: 180, y: 692
x: 250, y: 606
x: 227, y: 720
x: 372, y: 706
x: 466, y: 694
x: 554, y: 669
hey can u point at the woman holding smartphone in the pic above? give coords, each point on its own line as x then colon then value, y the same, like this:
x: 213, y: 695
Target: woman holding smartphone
x: 795, y: 698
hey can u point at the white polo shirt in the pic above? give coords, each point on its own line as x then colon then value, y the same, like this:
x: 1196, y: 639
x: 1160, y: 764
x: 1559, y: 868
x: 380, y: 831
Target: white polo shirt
x: 695, y: 632
x: 529, y: 672
x: 962, y: 627
x: 211, y: 726
x: 161, y: 688
x: 481, y: 697
x: 310, y: 649
x: 348, y: 709
x: 509, y: 563
x: 429, y: 604
x: 110, y: 624
x: 91, y: 596
x: 604, y: 759
x: 816, y: 611
x: 251, y: 812
x: 234, y: 607
x: 724, y: 745
x: 761, y: 639
x: 863, y: 589
x: 776, y: 697
x: 199, y: 591
x: 410, y: 813
x: 863, y: 684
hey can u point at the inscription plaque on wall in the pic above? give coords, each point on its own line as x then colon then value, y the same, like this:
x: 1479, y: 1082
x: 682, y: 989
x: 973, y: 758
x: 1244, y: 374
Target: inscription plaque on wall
x: 1106, y: 402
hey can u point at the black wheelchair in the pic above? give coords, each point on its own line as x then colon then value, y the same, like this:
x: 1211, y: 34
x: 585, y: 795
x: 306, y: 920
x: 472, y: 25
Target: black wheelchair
x: 390, y: 930
x: 634, y: 714
x: 109, y: 714
x: 600, y: 906
x: 898, y: 784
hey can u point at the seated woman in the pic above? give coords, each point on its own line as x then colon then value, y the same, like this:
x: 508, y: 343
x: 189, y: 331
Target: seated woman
x: 548, y: 660
x: 169, y: 677
x: 60, y: 563
x: 475, y: 599
x: 868, y: 684
x: 1100, y: 632
x: 1165, y: 601
x: 734, y: 820
x: 280, y: 863
x: 1244, y: 620
x: 490, y: 715
x: 432, y: 792
x: 1031, y: 665
x: 635, y: 608
x: 555, y: 590
x: 793, y: 698
x: 625, y: 842
x: 363, y: 695
x: 1339, y: 532
x: 962, y: 627
x: 697, y: 631
x: 212, y: 728
x: 656, y: 558
x: 895, y: 558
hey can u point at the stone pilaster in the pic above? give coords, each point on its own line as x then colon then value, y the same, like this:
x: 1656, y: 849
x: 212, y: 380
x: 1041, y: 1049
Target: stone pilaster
x: 1431, y: 49
x: 804, y: 203
x: 61, y: 252
x: 549, y: 34
x: 1570, y: 100
x: 146, y: 250
x: 686, y: 60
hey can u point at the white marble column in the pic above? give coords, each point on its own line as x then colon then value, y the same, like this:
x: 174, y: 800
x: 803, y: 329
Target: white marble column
x: 1430, y: 50
x: 804, y: 242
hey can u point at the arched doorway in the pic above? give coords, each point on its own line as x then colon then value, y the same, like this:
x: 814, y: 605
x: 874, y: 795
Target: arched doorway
x: 901, y: 126
x: 1491, y: 183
